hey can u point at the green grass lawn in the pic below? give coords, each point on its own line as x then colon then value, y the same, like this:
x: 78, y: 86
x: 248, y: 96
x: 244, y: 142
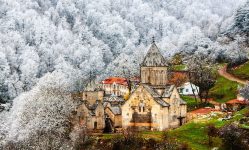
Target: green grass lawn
x: 107, y: 136
x: 193, y: 134
x: 242, y: 71
x: 191, y: 103
x: 224, y: 90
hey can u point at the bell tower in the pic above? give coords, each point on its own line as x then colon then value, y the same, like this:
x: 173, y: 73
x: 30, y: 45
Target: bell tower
x: 153, y: 69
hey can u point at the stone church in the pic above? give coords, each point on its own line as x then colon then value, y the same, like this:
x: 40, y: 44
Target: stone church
x: 153, y: 105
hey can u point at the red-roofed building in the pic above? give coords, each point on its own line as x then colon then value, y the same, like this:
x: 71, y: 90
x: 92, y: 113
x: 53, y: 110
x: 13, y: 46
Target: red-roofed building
x: 117, y: 80
x: 115, y: 86
x: 236, y: 104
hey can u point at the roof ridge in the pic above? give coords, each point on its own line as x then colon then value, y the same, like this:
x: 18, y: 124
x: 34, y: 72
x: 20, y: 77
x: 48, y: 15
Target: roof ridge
x: 154, y: 57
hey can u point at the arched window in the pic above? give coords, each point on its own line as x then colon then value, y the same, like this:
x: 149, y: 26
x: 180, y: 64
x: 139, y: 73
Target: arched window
x: 141, y: 107
x: 95, y: 125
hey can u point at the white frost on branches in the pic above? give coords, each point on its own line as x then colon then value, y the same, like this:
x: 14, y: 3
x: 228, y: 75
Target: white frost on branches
x: 44, y: 109
x: 93, y: 35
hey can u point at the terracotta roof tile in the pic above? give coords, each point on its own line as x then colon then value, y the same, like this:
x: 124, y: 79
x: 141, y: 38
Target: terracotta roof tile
x: 236, y: 101
x: 117, y: 80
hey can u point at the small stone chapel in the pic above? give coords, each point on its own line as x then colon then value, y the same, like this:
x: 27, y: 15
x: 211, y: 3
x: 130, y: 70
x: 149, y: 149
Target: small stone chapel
x: 155, y: 104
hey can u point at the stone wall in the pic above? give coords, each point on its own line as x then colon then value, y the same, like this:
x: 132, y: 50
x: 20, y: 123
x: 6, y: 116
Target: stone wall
x: 116, y: 119
x: 154, y: 75
x: 155, y: 117
x: 177, y: 111
x: 92, y: 96
x: 93, y: 120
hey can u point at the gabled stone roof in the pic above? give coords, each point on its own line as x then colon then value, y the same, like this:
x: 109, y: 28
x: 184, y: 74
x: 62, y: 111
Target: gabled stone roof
x: 182, y: 102
x: 116, y: 110
x: 161, y: 102
x: 113, y: 98
x: 154, y: 58
x: 151, y: 90
x: 91, y: 108
x: 168, y: 91
x: 155, y: 95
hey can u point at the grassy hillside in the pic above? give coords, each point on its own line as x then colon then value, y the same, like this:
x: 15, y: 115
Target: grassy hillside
x: 241, y: 71
x: 191, y: 103
x: 224, y: 90
x: 194, y: 133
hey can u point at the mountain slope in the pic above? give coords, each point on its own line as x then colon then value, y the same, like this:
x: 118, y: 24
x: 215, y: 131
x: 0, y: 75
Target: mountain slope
x: 104, y: 37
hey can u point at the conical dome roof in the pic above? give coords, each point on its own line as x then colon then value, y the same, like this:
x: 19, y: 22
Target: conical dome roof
x: 154, y: 58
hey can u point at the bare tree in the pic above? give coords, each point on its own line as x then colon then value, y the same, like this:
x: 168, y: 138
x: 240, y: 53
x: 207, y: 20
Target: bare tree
x: 201, y: 73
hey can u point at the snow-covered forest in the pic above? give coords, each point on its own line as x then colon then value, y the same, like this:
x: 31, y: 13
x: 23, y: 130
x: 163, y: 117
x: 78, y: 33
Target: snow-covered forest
x: 58, y: 44
x: 105, y: 37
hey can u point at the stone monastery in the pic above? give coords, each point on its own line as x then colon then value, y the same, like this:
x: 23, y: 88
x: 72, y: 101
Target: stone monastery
x: 153, y: 104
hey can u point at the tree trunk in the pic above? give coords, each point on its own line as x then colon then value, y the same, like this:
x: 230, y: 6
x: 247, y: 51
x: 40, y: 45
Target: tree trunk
x: 194, y: 93
x: 206, y: 97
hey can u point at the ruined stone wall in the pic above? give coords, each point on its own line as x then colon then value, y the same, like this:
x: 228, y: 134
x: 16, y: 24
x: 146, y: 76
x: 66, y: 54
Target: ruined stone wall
x: 93, y: 120
x: 100, y: 117
x: 92, y: 96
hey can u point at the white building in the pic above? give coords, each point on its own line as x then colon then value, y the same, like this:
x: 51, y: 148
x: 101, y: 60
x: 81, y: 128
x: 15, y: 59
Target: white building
x: 115, y: 86
x: 188, y: 89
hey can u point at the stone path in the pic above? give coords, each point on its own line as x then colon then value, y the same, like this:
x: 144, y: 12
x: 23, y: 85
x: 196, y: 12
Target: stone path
x: 223, y: 72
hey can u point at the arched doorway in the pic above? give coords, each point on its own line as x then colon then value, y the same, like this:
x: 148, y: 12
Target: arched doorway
x: 109, y: 128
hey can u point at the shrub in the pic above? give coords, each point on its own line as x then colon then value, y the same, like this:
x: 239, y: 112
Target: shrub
x: 212, y: 131
x: 234, y: 138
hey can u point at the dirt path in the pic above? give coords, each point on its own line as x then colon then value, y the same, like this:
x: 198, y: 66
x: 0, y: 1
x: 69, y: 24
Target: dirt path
x: 223, y: 72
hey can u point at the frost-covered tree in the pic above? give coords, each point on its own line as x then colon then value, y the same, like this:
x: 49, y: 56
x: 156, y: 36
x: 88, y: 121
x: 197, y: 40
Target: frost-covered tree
x: 41, y: 117
x: 65, y: 41
x: 245, y: 91
x: 241, y: 24
x: 238, y: 31
x: 4, y: 75
x: 93, y: 35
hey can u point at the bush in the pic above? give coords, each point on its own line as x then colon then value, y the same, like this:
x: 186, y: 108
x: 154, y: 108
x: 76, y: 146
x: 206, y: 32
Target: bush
x: 45, y: 140
x: 136, y: 142
x: 184, y: 146
x: 246, y: 114
x: 212, y: 131
x: 234, y: 138
x: 132, y: 143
